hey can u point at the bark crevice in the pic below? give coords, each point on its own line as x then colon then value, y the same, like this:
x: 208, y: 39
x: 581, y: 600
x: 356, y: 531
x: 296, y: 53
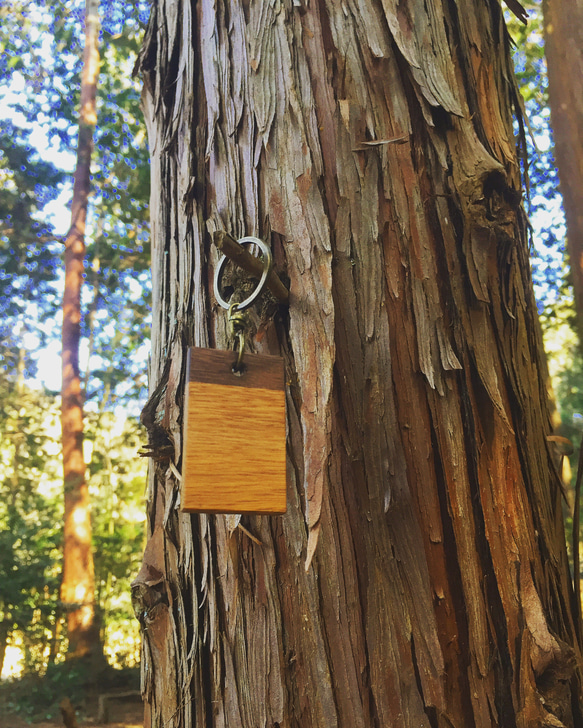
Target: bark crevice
x: 371, y: 145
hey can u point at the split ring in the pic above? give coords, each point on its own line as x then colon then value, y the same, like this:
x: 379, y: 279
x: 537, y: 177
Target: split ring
x: 267, y: 260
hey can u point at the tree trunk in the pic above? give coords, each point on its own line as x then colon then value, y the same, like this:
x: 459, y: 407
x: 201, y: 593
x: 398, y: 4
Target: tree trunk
x: 419, y: 577
x: 563, y: 22
x: 78, y: 585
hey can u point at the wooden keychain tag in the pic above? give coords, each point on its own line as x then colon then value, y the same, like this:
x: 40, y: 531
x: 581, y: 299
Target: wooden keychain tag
x: 234, y: 441
x: 234, y: 457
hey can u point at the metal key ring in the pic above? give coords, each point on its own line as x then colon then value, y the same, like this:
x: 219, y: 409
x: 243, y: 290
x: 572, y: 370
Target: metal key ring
x: 267, y: 260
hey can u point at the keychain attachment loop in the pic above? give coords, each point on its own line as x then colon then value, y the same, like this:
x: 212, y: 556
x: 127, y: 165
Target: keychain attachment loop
x: 267, y: 261
x: 237, y: 325
x: 238, y: 367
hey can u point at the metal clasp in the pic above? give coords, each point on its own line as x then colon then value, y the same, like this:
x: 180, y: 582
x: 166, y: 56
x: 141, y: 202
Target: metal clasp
x: 237, y: 325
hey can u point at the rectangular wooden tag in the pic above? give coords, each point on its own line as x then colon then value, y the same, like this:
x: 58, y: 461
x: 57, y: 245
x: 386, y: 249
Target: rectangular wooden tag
x: 234, y: 457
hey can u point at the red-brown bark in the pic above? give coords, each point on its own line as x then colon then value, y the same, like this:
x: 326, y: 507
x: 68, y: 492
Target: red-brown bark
x: 419, y: 577
x: 78, y: 584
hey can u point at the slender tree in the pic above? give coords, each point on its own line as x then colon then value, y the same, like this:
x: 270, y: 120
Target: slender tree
x: 563, y: 24
x: 78, y: 584
x: 419, y: 577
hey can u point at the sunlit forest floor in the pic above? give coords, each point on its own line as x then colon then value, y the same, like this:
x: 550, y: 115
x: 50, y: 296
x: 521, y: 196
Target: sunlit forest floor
x: 131, y: 716
x: 34, y: 701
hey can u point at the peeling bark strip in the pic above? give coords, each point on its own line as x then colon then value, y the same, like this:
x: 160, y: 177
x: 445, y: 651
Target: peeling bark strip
x: 371, y: 143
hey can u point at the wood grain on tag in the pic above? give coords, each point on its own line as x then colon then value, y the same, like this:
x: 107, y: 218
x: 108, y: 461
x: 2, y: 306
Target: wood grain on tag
x: 234, y: 458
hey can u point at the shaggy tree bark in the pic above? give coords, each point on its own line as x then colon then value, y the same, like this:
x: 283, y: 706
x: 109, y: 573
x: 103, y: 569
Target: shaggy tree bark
x: 563, y: 20
x: 78, y: 584
x: 419, y: 577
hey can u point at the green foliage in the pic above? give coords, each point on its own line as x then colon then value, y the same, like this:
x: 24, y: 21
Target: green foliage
x: 565, y: 362
x: 117, y: 481
x: 545, y: 202
x: 41, y: 47
x: 118, y: 250
x: 36, y: 699
x: 549, y: 258
x: 29, y: 252
x: 30, y: 516
x: 40, y: 98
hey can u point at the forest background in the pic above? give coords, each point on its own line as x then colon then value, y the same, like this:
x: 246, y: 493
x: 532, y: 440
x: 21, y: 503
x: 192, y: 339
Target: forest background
x: 40, y: 72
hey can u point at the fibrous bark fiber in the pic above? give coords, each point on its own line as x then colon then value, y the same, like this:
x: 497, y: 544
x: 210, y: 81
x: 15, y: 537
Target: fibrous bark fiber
x: 419, y: 577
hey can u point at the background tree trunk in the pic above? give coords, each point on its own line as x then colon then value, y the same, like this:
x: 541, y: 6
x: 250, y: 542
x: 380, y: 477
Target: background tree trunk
x: 78, y: 585
x: 371, y: 144
x: 5, y: 625
x: 563, y: 22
